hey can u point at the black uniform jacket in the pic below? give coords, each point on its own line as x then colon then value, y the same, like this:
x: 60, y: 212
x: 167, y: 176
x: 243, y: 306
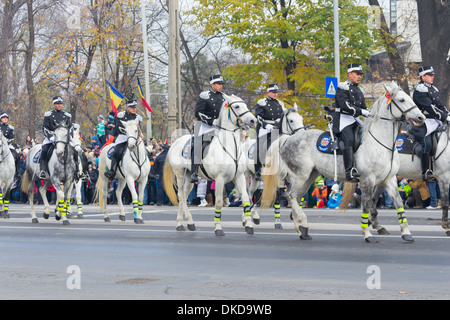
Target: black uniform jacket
x: 208, y: 106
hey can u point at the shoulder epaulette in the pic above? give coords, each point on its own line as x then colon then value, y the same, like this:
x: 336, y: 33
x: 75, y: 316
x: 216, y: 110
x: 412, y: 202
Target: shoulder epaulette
x: 344, y: 85
x: 262, y: 102
x: 422, y: 87
x: 204, y: 95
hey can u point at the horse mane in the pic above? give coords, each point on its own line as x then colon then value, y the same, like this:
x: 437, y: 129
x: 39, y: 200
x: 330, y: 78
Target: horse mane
x: 380, y: 103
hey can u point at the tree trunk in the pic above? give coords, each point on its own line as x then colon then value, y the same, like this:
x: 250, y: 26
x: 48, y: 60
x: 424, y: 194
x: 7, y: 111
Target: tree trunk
x: 435, y: 42
x: 28, y: 71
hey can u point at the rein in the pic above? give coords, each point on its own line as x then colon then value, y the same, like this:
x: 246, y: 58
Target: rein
x: 136, y: 158
x: 395, y: 122
x: 236, y: 149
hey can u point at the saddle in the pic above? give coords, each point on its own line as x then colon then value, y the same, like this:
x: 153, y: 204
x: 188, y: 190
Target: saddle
x: 37, y: 156
x: 189, y: 145
x: 326, y: 145
x: 407, y: 144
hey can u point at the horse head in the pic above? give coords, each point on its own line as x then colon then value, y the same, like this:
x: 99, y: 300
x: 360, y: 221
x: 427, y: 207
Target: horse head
x: 236, y: 111
x: 132, y: 132
x: 76, y: 137
x: 291, y: 121
x: 400, y: 105
x: 62, y: 136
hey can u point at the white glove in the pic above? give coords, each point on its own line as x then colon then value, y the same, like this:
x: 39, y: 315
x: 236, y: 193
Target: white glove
x: 269, y: 127
x: 448, y: 119
x: 365, y: 112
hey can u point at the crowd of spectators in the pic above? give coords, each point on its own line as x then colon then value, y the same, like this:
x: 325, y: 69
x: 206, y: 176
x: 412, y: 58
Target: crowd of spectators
x: 323, y: 193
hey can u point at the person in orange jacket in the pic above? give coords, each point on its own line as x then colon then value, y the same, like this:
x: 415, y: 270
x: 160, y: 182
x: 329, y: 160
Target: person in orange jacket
x: 320, y: 194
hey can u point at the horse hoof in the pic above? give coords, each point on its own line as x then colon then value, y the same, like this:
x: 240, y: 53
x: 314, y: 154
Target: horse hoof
x: 383, y: 231
x: 191, y: 227
x: 249, y: 230
x: 181, y: 228
x: 57, y: 217
x: 6, y: 216
x: 371, y: 240
x: 219, y: 233
x: 80, y: 216
x: 34, y: 220
x: 138, y: 221
x: 304, y: 233
x: 278, y: 226
x: 122, y: 217
x: 407, y: 237
x: 448, y: 233
x: 46, y: 215
x: 69, y: 216
x: 256, y: 221
x: 66, y: 222
x: 107, y: 219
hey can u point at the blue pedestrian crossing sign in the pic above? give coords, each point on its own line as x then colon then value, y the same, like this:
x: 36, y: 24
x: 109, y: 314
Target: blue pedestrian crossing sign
x: 331, y: 84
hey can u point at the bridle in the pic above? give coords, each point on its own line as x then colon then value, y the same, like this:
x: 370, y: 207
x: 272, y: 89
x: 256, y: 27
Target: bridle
x: 290, y: 129
x: 394, y: 120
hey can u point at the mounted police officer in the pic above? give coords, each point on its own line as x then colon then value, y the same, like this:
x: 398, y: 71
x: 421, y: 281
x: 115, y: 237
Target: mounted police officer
x: 207, y: 110
x: 350, y: 104
x: 268, y: 112
x: 121, y: 138
x: 50, y: 118
x: 8, y: 133
x: 426, y: 97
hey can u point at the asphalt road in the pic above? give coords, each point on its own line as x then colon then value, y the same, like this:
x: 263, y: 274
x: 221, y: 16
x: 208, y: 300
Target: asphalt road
x: 92, y: 259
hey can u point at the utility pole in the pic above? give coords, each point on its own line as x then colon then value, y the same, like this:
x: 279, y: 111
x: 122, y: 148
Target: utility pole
x: 337, y: 70
x: 147, y: 76
x: 174, y: 115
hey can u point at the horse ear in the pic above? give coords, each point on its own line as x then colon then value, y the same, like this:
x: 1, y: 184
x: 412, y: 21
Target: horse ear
x: 295, y: 106
x: 387, y: 88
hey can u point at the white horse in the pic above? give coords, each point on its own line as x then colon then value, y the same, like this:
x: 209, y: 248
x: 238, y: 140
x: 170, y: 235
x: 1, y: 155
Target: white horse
x: 7, y: 170
x: 224, y: 162
x: 376, y: 160
x: 290, y: 123
x: 76, y: 144
x: 134, y: 166
x: 410, y: 168
x: 62, y: 169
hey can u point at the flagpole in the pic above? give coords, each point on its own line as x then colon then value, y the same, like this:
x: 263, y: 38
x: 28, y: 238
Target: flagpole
x: 146, y: 68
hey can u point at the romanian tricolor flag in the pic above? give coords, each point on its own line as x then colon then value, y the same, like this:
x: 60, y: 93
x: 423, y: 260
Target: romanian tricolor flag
x: 116, y: 97
x: 144, y: 102
x: 388, y: 104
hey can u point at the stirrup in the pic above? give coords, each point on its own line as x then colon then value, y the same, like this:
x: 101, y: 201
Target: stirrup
x: 194, y: 178
x: 258, y: 176
x: 352, y: 175
x: 428, y: 175
x: 42, y: 175
x: 110, y: 174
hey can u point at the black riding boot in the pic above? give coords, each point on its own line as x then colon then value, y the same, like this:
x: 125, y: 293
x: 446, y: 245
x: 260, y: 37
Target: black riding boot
x: 194, y: 172
x: 427, y: 168
x: 258, y: 167
x: 351, y: 173
x: 111, y: 173
x: 43, y: 162
x: 194, y: 166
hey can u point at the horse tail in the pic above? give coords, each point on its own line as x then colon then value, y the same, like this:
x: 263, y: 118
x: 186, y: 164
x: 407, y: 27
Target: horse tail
x: 347, y: 195
x: 169, y: 181
x: 25, y: 182
x: 271, y: 173
x: 100, y: 185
